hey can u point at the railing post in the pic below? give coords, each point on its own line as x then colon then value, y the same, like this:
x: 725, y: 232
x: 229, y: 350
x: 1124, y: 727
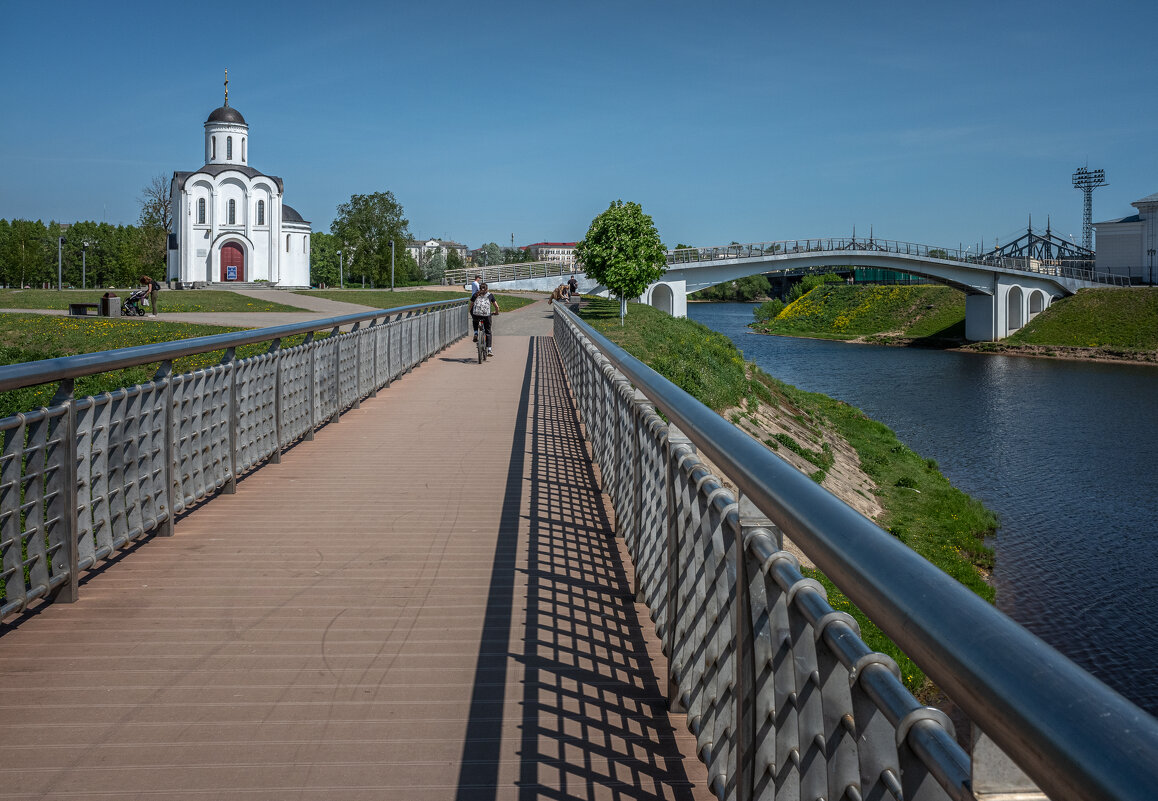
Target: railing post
x: 232, y: 422
x: 67, y: 556
x: 336, y: 334
x: 749, y: 519
x: 675, y: 439
x: 374, y: 334
x: 165, y: 373
x: 640, y: 407
x: 308, y: 341
x: 274, y: 348
x: 357, y: 365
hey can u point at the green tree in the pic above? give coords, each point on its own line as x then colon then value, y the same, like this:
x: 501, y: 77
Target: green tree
x: 435, y: 267
x: 515, y: 256
x: 751, y: 287
x: 366, y: 225
x: 454, y: 260
x: 156, y: 221
x: 323, y: 259
x: 494, y: 254
x: 622, y: 250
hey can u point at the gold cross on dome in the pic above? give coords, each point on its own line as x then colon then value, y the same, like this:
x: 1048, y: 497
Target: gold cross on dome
x: 227, y: 87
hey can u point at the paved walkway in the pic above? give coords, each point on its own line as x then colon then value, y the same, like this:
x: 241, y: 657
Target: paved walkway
x: 421, y: 603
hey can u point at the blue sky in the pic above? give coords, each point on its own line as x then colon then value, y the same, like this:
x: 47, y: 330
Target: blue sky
x: 747, y: 121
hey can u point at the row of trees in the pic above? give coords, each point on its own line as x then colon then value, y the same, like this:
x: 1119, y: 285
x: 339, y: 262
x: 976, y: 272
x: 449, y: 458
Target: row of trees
x: 115, y: 255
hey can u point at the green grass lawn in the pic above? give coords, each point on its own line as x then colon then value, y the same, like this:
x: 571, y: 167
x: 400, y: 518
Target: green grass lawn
x: 171, y: 300
x: 385, y: 299
x: 1111, y: 317
x: 30, y: 337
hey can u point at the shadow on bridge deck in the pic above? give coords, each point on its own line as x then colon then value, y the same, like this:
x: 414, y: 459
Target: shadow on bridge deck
x: 422, y: 603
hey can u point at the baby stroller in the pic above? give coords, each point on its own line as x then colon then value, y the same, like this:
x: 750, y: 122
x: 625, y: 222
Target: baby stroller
x: 132, y: 304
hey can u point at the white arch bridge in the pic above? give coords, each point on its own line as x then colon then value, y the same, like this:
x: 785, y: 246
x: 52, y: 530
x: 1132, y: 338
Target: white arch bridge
x: 1002, y: 293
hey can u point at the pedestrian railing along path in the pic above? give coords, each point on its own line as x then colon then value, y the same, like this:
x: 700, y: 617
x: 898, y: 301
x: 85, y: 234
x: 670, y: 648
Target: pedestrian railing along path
x: 423, y: 602
x: 784, y: 698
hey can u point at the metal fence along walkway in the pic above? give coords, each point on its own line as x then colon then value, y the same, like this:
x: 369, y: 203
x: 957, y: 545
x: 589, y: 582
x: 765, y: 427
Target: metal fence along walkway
x: 421, y: 603
x: 424, y: 599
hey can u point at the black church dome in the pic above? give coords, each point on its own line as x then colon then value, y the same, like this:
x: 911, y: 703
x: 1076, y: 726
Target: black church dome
x: 226, y: 114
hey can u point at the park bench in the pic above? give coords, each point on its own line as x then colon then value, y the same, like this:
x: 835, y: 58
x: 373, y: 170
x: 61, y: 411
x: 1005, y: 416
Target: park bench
x: 82, y: 309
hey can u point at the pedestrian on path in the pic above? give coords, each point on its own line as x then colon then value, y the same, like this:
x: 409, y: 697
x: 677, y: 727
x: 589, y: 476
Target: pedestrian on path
x: 154, y: 292
x: 572, y: 286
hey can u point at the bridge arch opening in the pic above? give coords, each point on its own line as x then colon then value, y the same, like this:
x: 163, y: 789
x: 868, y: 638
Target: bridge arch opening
x: 663, y: 299
x: 1037, y: 303
x: 1014, y: 310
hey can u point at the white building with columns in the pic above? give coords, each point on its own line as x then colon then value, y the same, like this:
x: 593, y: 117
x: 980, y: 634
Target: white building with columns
x: 230, y: 224
x: 1129, y: 245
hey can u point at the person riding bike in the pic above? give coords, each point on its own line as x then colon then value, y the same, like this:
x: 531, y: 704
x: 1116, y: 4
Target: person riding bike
x: 481, y: 305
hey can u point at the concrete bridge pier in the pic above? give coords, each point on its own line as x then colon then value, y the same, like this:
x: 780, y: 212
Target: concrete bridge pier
x: 1010, y: 306
x: 670, y: 296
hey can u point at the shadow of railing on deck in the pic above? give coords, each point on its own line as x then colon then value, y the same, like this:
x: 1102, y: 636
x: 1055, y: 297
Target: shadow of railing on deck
x: 593, y: 712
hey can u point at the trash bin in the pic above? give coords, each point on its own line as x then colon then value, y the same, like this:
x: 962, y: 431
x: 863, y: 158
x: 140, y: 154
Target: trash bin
x: 110, y: 305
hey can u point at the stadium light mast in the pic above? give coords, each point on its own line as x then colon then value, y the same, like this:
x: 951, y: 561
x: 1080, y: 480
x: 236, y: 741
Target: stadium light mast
x: 1087, y: 181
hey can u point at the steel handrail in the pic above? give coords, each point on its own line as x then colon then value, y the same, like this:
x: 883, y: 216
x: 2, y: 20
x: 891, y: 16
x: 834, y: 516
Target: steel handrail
x: 26, y: 374
x: 1073, y: 735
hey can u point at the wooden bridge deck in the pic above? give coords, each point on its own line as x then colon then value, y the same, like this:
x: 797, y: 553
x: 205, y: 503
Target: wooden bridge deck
x: 422, y: 603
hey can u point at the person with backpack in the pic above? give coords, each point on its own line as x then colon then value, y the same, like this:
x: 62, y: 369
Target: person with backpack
x: 154, y: 291
x: 481, y: 305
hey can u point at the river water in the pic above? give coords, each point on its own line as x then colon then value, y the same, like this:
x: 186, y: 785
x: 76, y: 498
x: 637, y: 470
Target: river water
x: 1066, y: 454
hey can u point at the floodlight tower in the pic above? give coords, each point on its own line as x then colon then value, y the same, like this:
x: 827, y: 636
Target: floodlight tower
x: 1087, y: 181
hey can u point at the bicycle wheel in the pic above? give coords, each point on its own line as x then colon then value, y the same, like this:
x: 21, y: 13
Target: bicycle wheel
x: 482, y: 345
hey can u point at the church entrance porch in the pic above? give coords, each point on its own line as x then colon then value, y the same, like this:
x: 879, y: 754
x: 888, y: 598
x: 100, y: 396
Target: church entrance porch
x: 232, y: 262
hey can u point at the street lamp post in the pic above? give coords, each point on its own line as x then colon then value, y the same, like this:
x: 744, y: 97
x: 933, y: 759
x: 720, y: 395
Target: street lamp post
x: 59, y: 252
x: 392, y: 265
x: 84, y: 264
x: 341, y: 280
x: 1151, y: 252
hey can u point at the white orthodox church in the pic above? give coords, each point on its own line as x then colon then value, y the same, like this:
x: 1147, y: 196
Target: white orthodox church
x: 229, y: 221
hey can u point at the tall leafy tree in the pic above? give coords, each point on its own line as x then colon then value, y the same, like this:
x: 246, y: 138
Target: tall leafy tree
x: 454, y: 260
x: 366, y: 224
x: 622, y: 250
x: 494, y: 254
x: 323, y: 259
x: 156, y: 221
x: 435, y: 267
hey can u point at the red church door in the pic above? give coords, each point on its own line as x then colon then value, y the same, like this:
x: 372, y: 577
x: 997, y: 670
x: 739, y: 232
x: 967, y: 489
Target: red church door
x: 232, y: 262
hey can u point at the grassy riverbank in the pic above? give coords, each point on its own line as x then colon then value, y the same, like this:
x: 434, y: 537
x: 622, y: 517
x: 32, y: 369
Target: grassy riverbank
x: 924, y: 313
x: 1109, y: 323
x: 918, y: 504
x: 1116, y: 323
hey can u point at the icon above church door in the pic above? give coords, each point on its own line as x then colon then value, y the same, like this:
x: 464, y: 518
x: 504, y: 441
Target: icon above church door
x: 232, y: 262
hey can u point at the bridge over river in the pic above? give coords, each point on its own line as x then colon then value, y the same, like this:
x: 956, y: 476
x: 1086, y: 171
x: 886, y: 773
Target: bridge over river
x: 1003, y: 292
x: 369, y: 567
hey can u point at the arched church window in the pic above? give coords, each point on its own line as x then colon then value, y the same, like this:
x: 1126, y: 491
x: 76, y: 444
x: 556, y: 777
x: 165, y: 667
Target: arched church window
x: 213, y: 148
x: 232, y: 214
x: 200, y: 211
x: 305, y: 243
x: 243, y: 149
x: 287, y: 243
x: 261, y: 212
x: 229, y: 148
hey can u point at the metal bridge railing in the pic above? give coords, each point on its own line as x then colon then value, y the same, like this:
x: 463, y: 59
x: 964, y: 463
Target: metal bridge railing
x: 508, y: 272
x: 1081, y: 270
x: 85, y: 477
x: 784, y: 698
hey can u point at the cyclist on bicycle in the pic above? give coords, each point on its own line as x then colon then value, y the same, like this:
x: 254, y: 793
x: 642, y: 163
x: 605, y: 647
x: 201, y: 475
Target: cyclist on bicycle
x: 481, y: 305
